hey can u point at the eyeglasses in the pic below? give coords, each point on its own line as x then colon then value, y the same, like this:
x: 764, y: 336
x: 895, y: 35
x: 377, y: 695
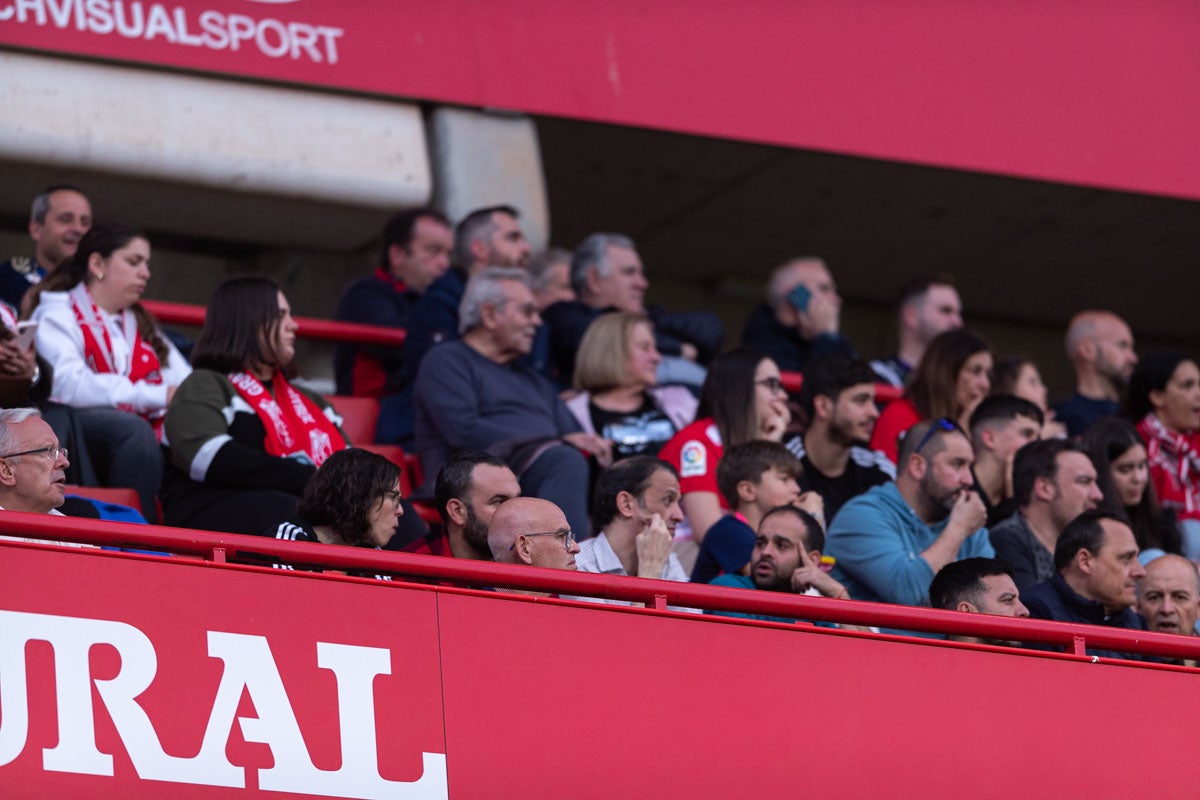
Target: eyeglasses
x: 393, y: 495
x: 53, y: 452
x: 943, y: 424
x: 774, y: 385
x: 568, y: 537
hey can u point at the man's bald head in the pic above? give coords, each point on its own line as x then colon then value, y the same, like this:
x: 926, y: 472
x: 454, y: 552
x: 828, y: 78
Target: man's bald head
x: 528, y: 530
x: 1100, y: 342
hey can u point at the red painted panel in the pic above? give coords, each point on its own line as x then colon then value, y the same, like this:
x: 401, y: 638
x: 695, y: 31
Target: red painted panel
x: 1093, y: 93
x: 175, y: 604
x: 560, y: 702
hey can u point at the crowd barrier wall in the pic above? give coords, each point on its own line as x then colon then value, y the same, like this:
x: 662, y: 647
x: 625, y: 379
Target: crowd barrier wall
x: 190, y: 676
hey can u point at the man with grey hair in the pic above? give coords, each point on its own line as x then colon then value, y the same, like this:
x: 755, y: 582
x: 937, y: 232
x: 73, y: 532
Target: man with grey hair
x: 476, y: 394
x: 58, y: 219
x: 528, y: 530
x: 801, y: 318
x: 486, y: 237
x: 607, y: 275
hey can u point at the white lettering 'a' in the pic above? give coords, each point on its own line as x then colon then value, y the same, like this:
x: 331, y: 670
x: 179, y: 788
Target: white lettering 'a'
x: 249, y: 666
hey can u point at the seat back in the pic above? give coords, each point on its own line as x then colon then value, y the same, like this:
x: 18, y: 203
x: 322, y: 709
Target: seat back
x: 359, y: 415
x: 122, y: 495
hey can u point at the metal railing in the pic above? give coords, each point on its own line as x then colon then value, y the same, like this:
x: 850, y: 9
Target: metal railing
x: 656, y: 594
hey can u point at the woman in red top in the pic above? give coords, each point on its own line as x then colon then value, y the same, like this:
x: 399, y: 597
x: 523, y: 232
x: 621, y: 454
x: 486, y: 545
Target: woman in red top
x: 742, y: 399
x: 952, y: 379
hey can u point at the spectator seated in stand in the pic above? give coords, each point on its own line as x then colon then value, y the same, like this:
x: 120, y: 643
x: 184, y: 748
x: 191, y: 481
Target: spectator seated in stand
x: 787, y: 558
x: 1123, y: 475
x: 743, y: 399
x: 486, y: 237
x: 1095, y: 579
x: 618, y: 399
x: 636, y: 509
x: 111, y: 362
x: 892, y: 540
x: 754, y: 477
x: 475, y: 394
x: 607, y: 275
x: 801, y: 317
x: 1053, y: 483
x: 31, y: 467
x: 1000, y: 426
x: 467, y: 492
x: 416, y: 252
x: 952, y: 378
x: 526, y: 530
x: 243, y: 441
x: 928, y: 305
x: 1164, y: 404
x: 838, y: 398
x: 1168, y: 596
x: 1100, y: 346
x: 1020, y: 377
x: 977, y: 586
x: 58, y: 218
x: 353, y: 499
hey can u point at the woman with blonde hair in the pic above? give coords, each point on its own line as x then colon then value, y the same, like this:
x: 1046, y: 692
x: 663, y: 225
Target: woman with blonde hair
x: 615, y: 371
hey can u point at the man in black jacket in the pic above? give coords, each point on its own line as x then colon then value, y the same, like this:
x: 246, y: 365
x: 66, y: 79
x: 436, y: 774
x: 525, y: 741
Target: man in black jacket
x: 607, y: 275
x: 1096, y: 582
x: 801, y: 317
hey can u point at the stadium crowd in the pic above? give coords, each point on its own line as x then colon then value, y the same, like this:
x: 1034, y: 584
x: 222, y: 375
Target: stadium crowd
x: 641, y: 446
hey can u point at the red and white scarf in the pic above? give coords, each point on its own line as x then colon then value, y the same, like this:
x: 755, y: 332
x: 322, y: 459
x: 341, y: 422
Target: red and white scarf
x: 143, y: 364
x: 296, y: 426
x: 8, y: 316
x: 1174, y: 466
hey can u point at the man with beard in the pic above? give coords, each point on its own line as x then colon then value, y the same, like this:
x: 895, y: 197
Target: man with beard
x: 977, y: 586
x: 838, y: 397
x: 892, y: 540
x: 1100, y: 346
x: 928, y: 305
x: 469, y: 489
x: 786, y: 558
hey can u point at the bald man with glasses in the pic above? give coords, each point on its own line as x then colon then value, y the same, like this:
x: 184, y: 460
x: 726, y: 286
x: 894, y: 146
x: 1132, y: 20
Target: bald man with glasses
x: 527, y: 530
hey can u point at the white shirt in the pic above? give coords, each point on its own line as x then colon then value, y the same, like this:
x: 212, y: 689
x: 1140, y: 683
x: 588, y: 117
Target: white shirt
x: 60, y: 341
x: 596, y: 555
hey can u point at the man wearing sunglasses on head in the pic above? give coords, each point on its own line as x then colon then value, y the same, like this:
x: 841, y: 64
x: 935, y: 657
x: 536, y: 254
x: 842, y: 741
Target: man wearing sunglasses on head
x: 892, y: 540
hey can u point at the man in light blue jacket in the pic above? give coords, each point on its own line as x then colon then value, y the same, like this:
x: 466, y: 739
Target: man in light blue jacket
x: 892, y: 540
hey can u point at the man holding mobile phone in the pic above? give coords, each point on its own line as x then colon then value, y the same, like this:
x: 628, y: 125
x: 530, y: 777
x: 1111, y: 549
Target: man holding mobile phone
x: 801, y: 318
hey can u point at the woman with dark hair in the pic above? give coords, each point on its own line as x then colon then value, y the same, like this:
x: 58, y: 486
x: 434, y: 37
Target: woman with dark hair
x: 243, y: 441
x: 111, y: 362
x: 1019, y: 376
x: 742, y: 399
x: 1123, y: 476
x: 1164, y: 404
x: 952, y: 378
x: 353, y: 499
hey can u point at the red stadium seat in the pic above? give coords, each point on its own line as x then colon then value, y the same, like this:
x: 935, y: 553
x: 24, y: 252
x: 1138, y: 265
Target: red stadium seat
x: 359, y: 415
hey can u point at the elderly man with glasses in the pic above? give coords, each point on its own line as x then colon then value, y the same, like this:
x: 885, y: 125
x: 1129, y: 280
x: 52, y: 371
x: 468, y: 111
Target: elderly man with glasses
x: 526, y: 530
x: 892, y: 540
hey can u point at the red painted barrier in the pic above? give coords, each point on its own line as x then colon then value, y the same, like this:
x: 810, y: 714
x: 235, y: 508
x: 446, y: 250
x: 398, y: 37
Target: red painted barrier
x: 176, y: 677
x: 310, y: 327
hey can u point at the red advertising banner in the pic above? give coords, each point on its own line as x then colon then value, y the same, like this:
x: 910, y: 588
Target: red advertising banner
x: 129, y: 676
x: 1066, y: 90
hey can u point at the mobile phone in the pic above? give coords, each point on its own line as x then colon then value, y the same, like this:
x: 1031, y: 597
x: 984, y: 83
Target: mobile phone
x: 799, y: 297
x: 25, y: 333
